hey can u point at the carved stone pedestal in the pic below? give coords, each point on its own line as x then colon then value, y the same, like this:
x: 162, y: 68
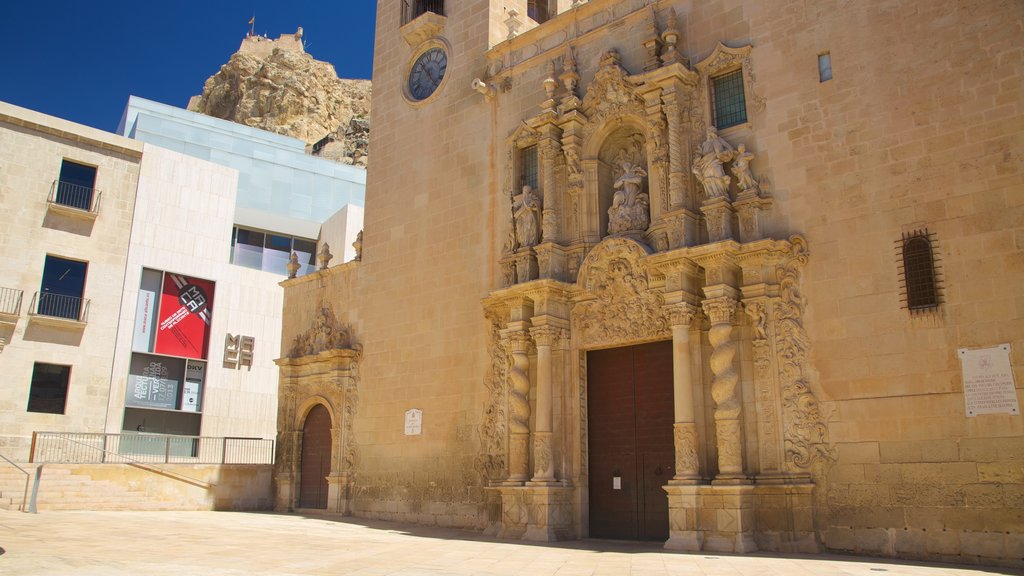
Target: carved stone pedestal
x: 337, y: 494
x: 741, y: 519
x: 538, y: 513
x: 683, y: 530
x: 682, y: 228
x: 785, y: 517
x: 718, y: 216
x: 284, y: 496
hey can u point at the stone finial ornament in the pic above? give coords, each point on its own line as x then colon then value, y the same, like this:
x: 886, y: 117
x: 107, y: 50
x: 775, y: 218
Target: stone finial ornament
x: 293, y: 265
x: 550, y: 83
x: 358, y: 245
x: 513, y: 23
x: 324, y: 256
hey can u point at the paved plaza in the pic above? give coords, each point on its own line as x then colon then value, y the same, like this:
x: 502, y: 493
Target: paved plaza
x: 231, y: 543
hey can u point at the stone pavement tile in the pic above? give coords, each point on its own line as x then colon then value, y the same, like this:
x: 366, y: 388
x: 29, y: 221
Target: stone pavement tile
x: 236, y: 544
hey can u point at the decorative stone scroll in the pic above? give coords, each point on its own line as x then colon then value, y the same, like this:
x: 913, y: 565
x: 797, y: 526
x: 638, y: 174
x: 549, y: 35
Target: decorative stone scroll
x: 621, y: 308
x: 492, y: 462
x: 326, y: 334
x: 805, y: 432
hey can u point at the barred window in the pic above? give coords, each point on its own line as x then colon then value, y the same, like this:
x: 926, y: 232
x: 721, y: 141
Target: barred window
x: 919, y: 273
x: 528, y: 167
x: 730, y: 104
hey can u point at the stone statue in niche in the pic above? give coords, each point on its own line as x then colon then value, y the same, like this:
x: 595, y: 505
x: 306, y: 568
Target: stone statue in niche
x: 708, y: 163
x: 630, y: 209
x: 526, y: 212
x: 741, y: 168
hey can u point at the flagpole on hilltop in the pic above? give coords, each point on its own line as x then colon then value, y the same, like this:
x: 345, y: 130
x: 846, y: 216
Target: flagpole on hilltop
x: 252, y: 25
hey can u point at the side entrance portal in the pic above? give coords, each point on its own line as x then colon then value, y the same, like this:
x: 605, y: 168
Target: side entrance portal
x: 316, y: 458
x: 630, y: 416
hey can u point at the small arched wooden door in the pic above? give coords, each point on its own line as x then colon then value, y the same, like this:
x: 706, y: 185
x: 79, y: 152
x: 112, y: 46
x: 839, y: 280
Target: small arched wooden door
x: 316, y: 458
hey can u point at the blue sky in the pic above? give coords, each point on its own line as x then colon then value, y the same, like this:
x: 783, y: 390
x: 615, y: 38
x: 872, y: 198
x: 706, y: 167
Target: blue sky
x: 80, y: 60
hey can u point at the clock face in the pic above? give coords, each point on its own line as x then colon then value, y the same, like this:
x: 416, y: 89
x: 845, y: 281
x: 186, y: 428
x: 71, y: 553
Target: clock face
x: 427, y: 72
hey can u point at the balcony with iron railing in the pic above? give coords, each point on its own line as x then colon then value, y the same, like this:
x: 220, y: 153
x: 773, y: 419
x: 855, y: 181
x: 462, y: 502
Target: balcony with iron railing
x: 10, y: 305
x: 73, y: 200
x: 59, y: 310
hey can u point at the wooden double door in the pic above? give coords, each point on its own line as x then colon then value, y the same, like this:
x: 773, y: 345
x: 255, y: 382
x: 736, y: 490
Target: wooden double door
x: 630, y: 440
x: 315, y: 464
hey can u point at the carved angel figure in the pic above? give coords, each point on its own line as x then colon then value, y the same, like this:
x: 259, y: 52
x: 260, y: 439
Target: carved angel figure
x: 630, y: 206
x: 741, y: 168
x: 526, y: 209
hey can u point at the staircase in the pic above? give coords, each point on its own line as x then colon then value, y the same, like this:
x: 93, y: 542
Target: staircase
x: 12, y: 486
x: 60, y: 489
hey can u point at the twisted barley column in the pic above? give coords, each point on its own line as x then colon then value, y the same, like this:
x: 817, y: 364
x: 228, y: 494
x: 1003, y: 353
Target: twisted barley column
x: 519, y: 407
x: 723, y: 387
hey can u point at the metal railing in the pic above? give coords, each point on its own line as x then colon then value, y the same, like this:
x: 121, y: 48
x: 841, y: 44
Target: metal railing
x: 10, y: 301
x: 412, y: 9
x: 77, y: 196
x: 24, y: 496
x: 135, y: 448
x: 59, y: 306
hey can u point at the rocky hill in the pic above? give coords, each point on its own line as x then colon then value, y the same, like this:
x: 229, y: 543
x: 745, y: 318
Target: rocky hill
x: 275, y: 85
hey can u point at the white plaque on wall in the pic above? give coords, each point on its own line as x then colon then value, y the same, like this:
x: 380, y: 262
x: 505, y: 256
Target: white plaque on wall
x: 413, y: 422
x: 988, y: 381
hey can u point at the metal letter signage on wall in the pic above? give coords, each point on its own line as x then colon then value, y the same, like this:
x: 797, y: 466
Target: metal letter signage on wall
x: 238, y: 351
x: 988, y: 381
x: 413, y: 422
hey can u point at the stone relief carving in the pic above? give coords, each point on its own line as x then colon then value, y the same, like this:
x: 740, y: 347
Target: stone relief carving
x: 622, y: 308
x: 491, y: 462
x: 805, y: 432
x: 325, y: 334
x: 630, y: 209
x: 610, y: 95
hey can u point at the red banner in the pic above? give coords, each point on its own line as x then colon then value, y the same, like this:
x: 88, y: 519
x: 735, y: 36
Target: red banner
x: 186, y: 305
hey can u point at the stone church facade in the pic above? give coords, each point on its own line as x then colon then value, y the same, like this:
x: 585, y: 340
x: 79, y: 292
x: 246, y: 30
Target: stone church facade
x: 703, y: 273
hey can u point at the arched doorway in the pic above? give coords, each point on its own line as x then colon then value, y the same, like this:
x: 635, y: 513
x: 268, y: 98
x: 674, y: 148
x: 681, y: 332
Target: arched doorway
x: 316, y: 458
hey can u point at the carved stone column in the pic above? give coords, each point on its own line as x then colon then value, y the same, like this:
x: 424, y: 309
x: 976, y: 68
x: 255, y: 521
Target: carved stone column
x: 685, y: 427
x: 543, y: 451
x: 550, y: 147
x: 678, y: 150
x: 518, y: 342
x: 728, y: 404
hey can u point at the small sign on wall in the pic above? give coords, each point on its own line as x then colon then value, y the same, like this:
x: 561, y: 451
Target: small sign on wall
x: 988, y: 381
x: 238, y: 351
x: 413, y: 422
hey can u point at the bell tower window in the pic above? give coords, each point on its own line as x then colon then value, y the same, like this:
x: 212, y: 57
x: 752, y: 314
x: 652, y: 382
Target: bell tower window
x: 413, y: 9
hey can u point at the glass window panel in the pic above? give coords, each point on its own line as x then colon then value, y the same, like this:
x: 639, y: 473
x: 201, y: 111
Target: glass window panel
x: 60, y: 293
x: 49, y: 391
x: 306, y: 251
x: 824, y: 67
x: 276, y: 253
x: 528, y: 167
x: 248, y: 250
x: 75, y: 185
x: 729, y: 101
